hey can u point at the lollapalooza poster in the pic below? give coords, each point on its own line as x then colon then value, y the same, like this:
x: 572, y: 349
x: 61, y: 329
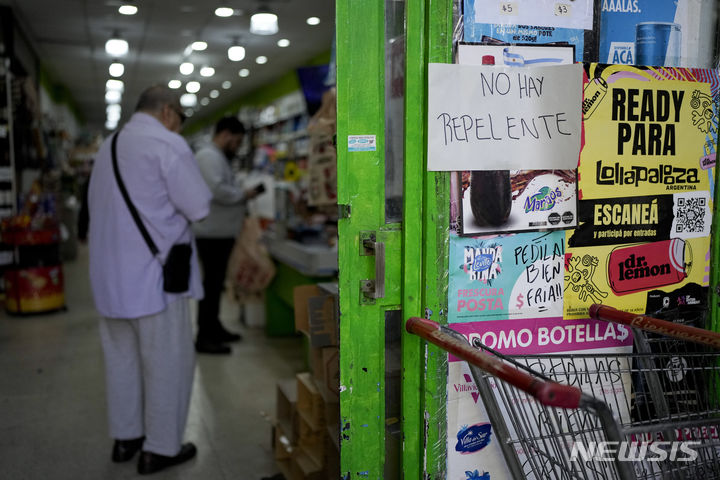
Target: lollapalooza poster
x: 645, y: 207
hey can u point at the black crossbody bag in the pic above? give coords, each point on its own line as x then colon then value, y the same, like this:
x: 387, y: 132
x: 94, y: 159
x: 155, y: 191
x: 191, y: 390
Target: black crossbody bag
x: 176, y: 269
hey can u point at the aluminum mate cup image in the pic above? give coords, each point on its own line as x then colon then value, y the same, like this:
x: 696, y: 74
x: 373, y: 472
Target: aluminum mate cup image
x: 650, y: 265
x: 658, y: 43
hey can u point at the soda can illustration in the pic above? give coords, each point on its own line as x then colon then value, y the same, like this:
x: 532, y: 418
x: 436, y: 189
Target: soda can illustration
x: 658, y: 43
x: 649, y: 265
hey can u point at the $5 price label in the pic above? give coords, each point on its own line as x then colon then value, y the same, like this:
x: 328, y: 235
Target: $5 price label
x: 508, y: 8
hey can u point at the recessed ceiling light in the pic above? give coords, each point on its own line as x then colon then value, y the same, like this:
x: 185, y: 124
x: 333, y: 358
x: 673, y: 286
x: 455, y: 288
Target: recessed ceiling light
x: 116, y: 47
x: 224, y: 12
x: 214, y: 94
x: 227, y: 84
x: 113, y: 96
x: 114, y: 84
x: 188, y: 100
x: 186, y: 68
x: 115, y: 107
x: 261, y: 60
x: 192, y: 87
x: 113, y: 116
x: 128, y: 9
x: 189, y: 112
x: 313, y: 21
x: 204, y: 101
x: 207, y: 71
x: 116, y: 69
x: 110, y: 125
x: 236, y: 53
x: 174, y: 84
x: 199, y: 46
x: 244, y: 72
x: 283, y: 42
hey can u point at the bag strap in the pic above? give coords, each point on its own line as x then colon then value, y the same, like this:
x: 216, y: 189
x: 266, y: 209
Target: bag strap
x: 131, y: 207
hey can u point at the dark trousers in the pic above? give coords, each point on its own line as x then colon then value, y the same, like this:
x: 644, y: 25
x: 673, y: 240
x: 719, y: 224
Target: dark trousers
x: 214, y: 254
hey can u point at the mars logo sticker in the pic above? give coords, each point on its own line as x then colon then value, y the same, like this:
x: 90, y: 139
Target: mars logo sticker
x: 648, y: 266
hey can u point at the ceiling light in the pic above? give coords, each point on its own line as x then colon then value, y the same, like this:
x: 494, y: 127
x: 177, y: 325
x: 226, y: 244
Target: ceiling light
x: 186, y: 68
x: 236, y: 53
x: 115, y: 107
x: 313, y: 21
x: 192, y: 87
x: 113, y: 116
x: 214, y: 94
x: 114, y: 84
x: 283, y: 42
x: 199, y: 46
x: 116, y: 69
x: 113, y: 96
x: 188, y: 100
x: 207, y: 71
x: 224, y: 12
x: 264, y: 23
x: 189, y: 112
x: 116, y: 47
x: 174, y: 84
x: 227, y: 84
x: 110, y: 125
x: 204, y: 101
x: 261, y: 60
x: 244, y: 72
x: 128, y: 9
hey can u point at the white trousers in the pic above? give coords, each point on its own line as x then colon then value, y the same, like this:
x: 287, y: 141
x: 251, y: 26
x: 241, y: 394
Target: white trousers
x: 149, y: 367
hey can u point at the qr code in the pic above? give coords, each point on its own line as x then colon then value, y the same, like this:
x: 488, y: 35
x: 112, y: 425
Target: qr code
x: 690, y: 216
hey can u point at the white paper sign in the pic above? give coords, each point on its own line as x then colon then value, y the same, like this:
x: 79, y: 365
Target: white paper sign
x: 546, y: 13
x: 503, y: 118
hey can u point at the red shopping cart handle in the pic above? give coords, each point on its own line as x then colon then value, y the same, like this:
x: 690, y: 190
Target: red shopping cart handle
x: 655, y: 325
x: 548, y: 393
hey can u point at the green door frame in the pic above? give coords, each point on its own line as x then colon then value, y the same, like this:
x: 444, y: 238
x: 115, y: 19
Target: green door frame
x: 415, y: 251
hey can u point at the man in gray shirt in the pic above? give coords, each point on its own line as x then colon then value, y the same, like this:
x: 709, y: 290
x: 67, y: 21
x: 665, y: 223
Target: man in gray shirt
x: 217, y: 232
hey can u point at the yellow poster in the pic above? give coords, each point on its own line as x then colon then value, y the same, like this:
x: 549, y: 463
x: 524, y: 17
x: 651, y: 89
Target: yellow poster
x: 645, y: 183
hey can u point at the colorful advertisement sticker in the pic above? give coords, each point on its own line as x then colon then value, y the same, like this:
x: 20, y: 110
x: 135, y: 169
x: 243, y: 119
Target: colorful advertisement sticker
x: 622, y: 275
x: 648, y: 131
x: 506, y: 276
x: 657, y: 32
x: 517, y: 200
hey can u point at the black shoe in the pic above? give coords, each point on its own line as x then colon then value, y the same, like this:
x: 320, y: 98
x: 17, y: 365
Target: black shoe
x: 152, y: 462
x: 212, y: 347
x: 225, y: 336
x: 124, y: 450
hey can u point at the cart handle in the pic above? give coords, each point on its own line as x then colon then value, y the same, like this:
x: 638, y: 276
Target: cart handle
x: 548, y: 393
x: 664, y: 327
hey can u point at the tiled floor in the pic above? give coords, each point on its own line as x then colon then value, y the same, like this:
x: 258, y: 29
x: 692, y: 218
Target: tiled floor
x: 52, y: 397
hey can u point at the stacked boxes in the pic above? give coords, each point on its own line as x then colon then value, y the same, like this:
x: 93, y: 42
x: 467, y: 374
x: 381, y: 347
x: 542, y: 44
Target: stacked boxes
x: 306, y: 436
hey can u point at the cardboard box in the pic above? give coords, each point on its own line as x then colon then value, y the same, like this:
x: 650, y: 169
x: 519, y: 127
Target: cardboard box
x: 286, y: 408
x: 312, y: 442
x: 323, y: 323
x: 309, y: 401
x: 282, y: 445
x: 330, y: 389
x: 301, y: 294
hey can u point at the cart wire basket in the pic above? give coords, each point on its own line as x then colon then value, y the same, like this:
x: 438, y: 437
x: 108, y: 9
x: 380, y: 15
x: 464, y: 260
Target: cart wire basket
x: 649, y: 412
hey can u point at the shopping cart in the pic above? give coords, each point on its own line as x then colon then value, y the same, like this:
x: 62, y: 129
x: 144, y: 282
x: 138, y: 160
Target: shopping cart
x: 651, y: 412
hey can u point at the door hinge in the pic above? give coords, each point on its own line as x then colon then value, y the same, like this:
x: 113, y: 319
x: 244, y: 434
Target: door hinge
x: 343, y: 211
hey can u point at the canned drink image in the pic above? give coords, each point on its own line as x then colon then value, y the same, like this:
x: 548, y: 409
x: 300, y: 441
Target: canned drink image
x: 658, y: 43
x: 648, y: 266
x: 593, y: 94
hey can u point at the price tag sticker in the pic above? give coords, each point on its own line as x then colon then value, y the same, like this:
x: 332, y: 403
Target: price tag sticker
x: 508, y: 8
x: 562, y: 10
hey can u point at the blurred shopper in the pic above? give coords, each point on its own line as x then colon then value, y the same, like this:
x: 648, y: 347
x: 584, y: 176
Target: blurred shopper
x: 146, y: 332
x: 217, y: 232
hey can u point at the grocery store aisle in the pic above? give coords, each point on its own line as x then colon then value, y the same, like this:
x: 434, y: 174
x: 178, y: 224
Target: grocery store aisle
x: 52, y: 397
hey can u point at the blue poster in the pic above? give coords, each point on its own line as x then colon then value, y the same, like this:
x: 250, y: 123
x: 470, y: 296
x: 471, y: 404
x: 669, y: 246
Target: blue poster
x: 520, y: 34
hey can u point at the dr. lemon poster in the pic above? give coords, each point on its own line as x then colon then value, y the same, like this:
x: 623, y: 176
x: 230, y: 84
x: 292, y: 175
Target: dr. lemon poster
x: 646, y: 195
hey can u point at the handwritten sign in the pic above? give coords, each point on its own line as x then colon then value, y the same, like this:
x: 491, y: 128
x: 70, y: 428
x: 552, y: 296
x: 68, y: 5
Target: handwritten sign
x: 509, y: 118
